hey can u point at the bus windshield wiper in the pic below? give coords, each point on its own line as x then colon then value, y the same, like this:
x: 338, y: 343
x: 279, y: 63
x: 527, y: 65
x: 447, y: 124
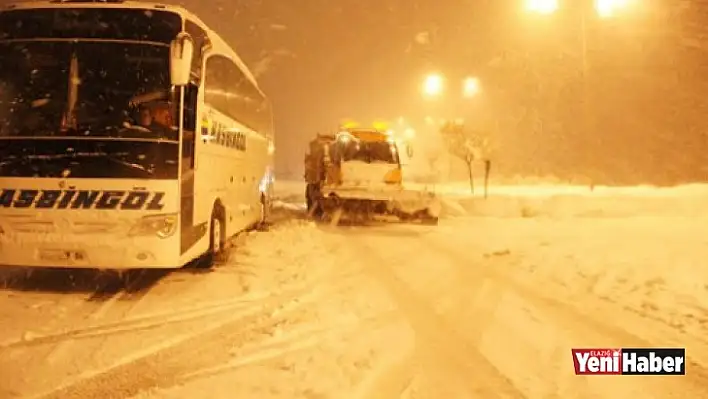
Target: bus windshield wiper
x: 131, y: 165
x: 69, y: 118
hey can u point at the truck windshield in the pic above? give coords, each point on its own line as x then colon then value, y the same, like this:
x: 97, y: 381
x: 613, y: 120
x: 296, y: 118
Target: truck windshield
x: 369, y: 152
x: 96, y: 107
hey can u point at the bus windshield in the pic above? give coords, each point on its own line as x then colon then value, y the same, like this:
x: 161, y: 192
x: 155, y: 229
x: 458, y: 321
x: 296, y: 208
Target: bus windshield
x: 61, y: 88
x: 58, y: 90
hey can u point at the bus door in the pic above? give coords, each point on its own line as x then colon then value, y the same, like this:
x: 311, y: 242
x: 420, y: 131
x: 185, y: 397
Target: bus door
x: 192, y: 229
x: 190, y: 232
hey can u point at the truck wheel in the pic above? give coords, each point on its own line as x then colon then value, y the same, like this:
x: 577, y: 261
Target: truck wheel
x: 430, y: 221
x: 314, y: 202
x: 317, y: 210
x: 308, y: 198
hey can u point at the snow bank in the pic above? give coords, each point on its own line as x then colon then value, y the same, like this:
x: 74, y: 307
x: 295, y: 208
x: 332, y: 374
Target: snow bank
x: 548, y: 201
x: 653, y: 266
x: 544, y: 190
x: 642, y: 248
x: 569, y: 201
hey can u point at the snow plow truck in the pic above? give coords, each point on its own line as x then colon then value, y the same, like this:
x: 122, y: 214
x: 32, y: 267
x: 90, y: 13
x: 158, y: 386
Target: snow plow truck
x: 356, y: 174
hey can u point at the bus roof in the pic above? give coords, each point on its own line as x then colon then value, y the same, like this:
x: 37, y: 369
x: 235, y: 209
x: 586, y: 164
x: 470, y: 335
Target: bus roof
x: 216, y: 40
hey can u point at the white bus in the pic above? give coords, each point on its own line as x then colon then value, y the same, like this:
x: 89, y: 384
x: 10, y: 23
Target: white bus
x: 131, y: 136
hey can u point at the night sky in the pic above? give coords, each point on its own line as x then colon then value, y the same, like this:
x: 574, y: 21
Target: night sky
x: 321, y: 61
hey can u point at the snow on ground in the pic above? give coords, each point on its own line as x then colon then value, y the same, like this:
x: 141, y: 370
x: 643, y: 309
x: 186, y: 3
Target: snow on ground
x: 639, y: 248
x: 487, y: 304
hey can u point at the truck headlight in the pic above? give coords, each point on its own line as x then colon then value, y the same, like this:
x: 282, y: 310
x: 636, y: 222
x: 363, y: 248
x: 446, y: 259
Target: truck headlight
x: 162, y: 226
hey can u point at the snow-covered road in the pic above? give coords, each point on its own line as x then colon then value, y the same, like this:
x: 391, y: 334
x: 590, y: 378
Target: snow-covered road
x: 487, y: 304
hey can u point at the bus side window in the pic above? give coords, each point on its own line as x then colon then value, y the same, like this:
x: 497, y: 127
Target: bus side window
x: 217, y: 84
x: 260, y: 112
x: 229, y: 90
x: 255, y: 107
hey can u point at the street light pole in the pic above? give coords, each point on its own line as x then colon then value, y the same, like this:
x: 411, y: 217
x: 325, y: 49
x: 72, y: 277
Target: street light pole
x: 603, y: 9
x: 585, y: 124
x: 584, y: 40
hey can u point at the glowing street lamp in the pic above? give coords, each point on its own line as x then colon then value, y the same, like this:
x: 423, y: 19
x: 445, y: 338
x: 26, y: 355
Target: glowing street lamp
x: 542, y: 6
x: 608, y: 8
x: 470, y: 87
x: 604, y: 8
x: 433, y: 85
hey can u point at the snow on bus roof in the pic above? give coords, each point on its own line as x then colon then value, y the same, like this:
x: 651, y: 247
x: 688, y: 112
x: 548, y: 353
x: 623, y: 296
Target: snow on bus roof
x: 214, y: 37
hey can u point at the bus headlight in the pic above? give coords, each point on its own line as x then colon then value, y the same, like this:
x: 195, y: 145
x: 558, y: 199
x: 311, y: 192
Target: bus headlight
x: 162, y: 226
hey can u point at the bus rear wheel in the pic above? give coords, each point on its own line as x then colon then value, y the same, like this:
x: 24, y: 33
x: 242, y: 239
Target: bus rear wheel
x: 217, y: 252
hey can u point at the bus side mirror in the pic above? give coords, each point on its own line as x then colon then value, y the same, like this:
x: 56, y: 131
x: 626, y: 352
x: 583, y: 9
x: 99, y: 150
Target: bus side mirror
x: 181, y: 53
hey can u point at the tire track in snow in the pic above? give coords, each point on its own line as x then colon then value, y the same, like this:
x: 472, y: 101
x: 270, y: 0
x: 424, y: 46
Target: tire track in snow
x: 163, y: 363
x: 62, y: 350
x: 158, y: 319
x: 570, y: 318
x: 134, y: 290
x: 476, y: 299
x: 277, y: 346
x: 146, y: 368
x: 392, y: 379
x: 562, y: 315
x: 146, y: 322
x: 452, y: 353
x: 108, y: 291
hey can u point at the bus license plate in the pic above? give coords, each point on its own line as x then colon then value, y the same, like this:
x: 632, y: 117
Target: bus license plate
x: 53, y: 255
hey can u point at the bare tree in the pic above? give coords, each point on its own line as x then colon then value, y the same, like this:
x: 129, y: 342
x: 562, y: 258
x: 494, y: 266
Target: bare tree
x: 465, y: 145
x: 432, y: 158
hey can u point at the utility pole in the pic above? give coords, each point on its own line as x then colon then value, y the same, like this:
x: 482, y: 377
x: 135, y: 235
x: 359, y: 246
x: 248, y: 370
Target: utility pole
x: 586, y: 125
